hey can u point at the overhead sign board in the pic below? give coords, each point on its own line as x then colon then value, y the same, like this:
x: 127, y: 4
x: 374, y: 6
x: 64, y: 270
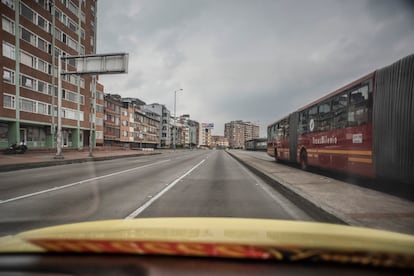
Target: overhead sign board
x: 98, y: 64
x: 207, y: 125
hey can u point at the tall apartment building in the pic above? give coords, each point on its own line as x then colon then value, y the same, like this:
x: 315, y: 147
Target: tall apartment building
x: 164, y: 113
x: 33, y: 34
x: 238, y: 132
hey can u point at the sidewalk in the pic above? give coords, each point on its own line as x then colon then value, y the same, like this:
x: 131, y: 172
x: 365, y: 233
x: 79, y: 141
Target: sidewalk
x: 348, y: 203
x: 10, y: 162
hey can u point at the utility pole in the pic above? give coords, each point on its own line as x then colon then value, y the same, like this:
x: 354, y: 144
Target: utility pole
x: 175, y: 115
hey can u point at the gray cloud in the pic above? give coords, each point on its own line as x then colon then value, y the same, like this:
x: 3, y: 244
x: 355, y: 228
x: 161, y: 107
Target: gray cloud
x: 250, y: 60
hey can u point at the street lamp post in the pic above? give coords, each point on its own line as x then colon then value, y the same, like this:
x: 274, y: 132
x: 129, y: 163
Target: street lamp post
x: 175, y: 114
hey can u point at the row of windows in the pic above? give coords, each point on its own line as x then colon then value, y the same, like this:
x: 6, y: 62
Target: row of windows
x: 40, y: 86
x: 72, y: 96
x: 39, y: 64
x: 351, y: 108
x: 26, y: 59
x: 27, y: 82
x: 62, y: 17
x: 34, y: 17
x: 27, y: 105
x: 72, y: 43
x: 33, y: 106
x: 26, y: 35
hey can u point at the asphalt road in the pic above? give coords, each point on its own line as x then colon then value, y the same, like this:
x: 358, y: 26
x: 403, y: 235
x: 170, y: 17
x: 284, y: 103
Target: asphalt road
x: 198, y: 183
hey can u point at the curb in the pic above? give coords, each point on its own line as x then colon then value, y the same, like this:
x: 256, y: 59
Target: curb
x: 311, y: 208
x: 21, y: 166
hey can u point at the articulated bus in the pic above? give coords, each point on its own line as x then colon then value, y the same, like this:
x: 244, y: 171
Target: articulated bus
x: 365, y: 128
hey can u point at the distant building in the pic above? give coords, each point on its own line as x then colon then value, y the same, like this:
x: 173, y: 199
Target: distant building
x: 164, y: 113
x: 205, y: 136
x: 219, y: 142
x: 238, y: 132
x: 112, y: 119
x: 127, y: 123
x: 188, y: 131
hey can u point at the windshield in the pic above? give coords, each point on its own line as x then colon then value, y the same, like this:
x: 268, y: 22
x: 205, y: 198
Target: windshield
x: 276, y: 110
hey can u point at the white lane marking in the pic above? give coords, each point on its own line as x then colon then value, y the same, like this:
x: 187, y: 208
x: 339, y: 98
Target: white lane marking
x: 163, y: 191
x: 79, y: 182
x: 270, y: 193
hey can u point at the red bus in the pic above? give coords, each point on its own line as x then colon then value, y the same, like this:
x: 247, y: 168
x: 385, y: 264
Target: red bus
x: 364, y: 128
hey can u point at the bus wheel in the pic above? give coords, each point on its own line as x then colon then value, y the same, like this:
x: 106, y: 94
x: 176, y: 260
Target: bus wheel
x: 304, y: 160
x: 276, y: 160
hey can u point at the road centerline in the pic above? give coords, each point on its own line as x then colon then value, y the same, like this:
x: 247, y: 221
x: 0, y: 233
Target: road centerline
x: 163, y: 191
x: 79, y: 182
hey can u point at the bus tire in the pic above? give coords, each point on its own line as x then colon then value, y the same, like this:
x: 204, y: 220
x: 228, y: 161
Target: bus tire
x: 276, y: 160
x: 304, y: 160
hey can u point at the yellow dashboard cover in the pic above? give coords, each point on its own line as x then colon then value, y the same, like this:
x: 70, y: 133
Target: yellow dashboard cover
x: 222, y: 237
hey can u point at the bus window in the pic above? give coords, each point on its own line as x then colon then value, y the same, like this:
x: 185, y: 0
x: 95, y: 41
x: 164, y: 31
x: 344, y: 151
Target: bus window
x: 339, y: 107
x: 325, y: 116
x: 313, y: 118
x: 358, y: 106
x: 303, y: 125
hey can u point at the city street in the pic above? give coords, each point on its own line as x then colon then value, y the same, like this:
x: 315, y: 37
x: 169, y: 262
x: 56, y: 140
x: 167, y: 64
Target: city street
x: 193, y: 183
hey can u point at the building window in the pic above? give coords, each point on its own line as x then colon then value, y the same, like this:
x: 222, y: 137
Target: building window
x: 41, y: 22
x: 8, y: 75
x: 72, y: 25
x: 27, y: 60
x: 27, y: 105
x: 42, y: 108
x: 58, y: 34
x: 99, y: 121
x: 9, y: 3
x: 9, y: 101
x: 42, y: 87
x: 27, y: 36
x: 72, y: 44
x: 8, y: 50
x: 73, y: 8
x: 42, y: 45
x: 28, y: 82
x: 27, y: 12
x: 8, y: 25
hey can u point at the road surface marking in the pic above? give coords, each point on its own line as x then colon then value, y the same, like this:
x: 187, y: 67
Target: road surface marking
x: 163, y: 191
x: 79, y: 182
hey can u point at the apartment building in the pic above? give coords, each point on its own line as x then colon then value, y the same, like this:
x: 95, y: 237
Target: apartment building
x: 238, y: 132
x: 147, y: 128
x: 165, y: 114
x: 205, y: 135
x: 112, y: 119
x: 127, y: 123
x: 219, y: 142
x: 188, y: 134
x: 33, y: 35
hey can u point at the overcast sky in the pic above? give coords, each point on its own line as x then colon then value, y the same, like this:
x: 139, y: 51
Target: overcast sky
x: 255, y: 60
